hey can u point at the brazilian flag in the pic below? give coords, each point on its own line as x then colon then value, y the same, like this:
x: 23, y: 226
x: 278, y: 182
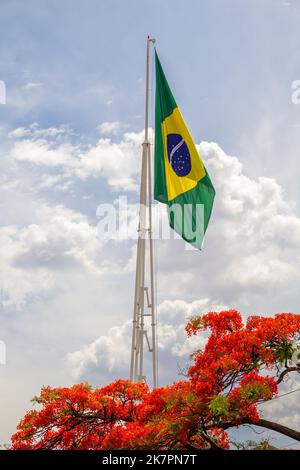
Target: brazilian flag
x: 181, y: 180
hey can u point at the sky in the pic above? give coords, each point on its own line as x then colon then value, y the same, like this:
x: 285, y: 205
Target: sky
x: 71, y: 131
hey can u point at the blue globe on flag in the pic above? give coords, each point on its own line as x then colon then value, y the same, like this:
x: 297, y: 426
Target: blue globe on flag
x: 178, y: 154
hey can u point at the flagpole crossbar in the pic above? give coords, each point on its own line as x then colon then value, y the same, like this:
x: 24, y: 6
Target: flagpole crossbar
x: 144, y: 295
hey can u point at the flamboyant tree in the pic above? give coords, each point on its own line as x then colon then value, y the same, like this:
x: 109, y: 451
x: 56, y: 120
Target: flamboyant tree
x: 241, y: 366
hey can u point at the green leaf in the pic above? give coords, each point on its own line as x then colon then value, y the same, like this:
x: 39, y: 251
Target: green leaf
x: 219, y: 406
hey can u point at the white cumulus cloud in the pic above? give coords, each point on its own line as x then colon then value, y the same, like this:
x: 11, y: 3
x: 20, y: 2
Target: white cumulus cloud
x: 32, y: 255
x: 109, y: 354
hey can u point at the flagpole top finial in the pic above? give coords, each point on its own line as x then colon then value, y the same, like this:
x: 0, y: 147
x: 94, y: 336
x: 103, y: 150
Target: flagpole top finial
x: 150, y: 39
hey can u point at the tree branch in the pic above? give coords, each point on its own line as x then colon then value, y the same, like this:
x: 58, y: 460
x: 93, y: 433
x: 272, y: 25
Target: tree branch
x: 287, y: 371
x: 279, y: 428
x: 292, y: 433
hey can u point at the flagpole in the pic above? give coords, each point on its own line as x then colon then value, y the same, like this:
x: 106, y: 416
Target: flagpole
x: 152, y: 293
x: 139, y: 331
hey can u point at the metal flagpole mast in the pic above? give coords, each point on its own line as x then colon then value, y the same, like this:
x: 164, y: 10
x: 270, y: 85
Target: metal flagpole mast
x: 139, y: 330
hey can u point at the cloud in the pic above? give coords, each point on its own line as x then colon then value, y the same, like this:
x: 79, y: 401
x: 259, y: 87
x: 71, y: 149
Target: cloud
x: 110, y: 127
x: 117, y: 162
x: 35, y: 131
x: 257, y: 227
x: 31, y: 256
x: 109, y: 355
x: 30, y: 85
x: 40, y: 153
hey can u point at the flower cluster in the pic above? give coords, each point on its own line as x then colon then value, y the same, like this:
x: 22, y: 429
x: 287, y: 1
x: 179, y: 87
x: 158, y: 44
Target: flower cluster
x: 240, y: 366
